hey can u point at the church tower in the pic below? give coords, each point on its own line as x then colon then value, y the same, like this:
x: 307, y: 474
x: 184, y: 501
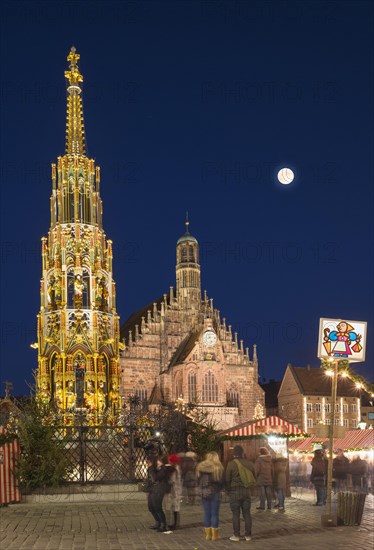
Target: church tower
x: 188, y: 287
x: 78, y: 327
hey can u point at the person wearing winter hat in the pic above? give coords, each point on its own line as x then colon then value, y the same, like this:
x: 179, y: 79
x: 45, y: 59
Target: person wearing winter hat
x: 239, y: 492
x: 264, y: 474
x: 172, y: 500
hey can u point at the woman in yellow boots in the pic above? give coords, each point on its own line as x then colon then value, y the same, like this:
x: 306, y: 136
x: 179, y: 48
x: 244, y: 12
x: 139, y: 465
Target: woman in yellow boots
x: 209, y: 474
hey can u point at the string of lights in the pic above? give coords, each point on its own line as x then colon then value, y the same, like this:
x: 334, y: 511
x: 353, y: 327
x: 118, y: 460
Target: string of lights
x: 345, y: 371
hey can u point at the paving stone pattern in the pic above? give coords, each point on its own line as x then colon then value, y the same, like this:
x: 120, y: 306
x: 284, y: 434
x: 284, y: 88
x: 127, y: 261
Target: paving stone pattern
x: 124, y: 524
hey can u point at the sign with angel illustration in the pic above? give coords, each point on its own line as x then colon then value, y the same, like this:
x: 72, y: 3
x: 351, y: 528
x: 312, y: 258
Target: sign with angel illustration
x: 342, y: 339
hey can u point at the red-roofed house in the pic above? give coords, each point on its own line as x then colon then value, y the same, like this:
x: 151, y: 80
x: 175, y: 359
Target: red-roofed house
x: 304, y: 399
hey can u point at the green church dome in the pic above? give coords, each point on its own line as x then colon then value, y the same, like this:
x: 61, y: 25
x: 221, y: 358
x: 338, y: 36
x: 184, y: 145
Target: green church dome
x: 187, y: 237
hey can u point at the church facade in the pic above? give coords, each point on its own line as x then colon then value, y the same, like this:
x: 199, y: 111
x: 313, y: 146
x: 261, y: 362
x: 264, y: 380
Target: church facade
x: 178, y: 349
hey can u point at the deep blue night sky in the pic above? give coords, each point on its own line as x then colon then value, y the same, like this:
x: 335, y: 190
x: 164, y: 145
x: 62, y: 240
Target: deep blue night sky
x: 193, y: 106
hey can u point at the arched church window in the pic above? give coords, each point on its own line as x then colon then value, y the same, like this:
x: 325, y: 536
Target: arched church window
x: 192, y: 387
x: 191, y: 254
x: 184, y: 254
x: 210, y: 388
x: 178, y: 387
x: 142, y: 396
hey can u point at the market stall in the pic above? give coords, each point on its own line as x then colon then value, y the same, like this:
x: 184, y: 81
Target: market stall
x: 271, y: 432
x: 355, y: 443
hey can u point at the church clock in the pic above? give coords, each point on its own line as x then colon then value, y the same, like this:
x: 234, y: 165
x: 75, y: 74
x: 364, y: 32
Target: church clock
x: 209, y: 338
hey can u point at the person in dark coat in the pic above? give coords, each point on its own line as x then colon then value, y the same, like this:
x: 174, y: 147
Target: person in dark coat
x: 158, y: 483
x: 264, y: 477
x: 319, y: 475
x: 280, y: 479
x: 239, y: 494
x: 340, y: 468
x: 358, y: 469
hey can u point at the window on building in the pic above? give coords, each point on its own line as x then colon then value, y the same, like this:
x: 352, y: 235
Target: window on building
x: 309, y: 407
x: 328, y: 408
x: 142, y: 396
x: 353, y: 407
x: 354, y: 423
x: 232, y: 399
x: 210, y: 388
x: 346, y: 422
x: 179, y: 387
x: 309, y: 423
x: 191, y: 254
x: 345, y: 408
x: 328, y: 421
x: 192, y: 389
x: 337, y: 421
x: 337, y: 407
x: 318, y: 407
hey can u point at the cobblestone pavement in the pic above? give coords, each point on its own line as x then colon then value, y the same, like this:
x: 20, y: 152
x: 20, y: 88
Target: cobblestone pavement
x: 123, y: 523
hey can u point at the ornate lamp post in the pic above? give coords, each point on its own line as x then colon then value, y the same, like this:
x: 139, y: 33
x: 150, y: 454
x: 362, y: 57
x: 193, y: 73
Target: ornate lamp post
x: 339, y: 340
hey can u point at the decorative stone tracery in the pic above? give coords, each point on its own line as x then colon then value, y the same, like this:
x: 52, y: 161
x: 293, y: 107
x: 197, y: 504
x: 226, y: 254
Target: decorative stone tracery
x: 78, y: 327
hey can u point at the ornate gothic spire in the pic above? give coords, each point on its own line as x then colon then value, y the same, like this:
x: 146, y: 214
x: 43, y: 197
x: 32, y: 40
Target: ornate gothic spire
x: 78, y: 327
x: 74, y: 118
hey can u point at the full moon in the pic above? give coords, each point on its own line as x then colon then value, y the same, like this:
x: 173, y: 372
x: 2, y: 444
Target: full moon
x: 285, y: 176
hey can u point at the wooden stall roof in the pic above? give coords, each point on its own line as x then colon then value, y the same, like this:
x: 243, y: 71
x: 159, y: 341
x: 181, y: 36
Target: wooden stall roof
x: 356, y: 439
x: 353, y: 439
x: 268, y: 425
x: 306, y: 445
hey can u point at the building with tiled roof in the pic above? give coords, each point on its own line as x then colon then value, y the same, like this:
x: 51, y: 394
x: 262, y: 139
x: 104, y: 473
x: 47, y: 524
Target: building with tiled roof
x: 180, y: 346
x: 304, y: 399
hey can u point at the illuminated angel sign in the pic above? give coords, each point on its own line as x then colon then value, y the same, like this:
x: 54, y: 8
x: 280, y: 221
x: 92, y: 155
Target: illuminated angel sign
x: 341, y: 338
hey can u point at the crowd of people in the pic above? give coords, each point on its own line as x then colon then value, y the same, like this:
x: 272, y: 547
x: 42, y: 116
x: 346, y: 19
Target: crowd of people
x: 169, y: 477
x: 341, y: 469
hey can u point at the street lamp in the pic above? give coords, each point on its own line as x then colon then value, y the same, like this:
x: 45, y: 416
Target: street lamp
x: 338, y: 340
x: 331, y: 434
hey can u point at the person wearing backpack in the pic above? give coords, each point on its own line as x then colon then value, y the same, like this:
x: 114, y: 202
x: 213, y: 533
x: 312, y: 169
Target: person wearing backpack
x: 209, y: 474
x: 239, y: 478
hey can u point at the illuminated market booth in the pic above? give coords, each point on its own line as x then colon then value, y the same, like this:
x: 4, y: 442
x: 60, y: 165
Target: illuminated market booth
x: 271, y: 432
x: 355, y: 443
